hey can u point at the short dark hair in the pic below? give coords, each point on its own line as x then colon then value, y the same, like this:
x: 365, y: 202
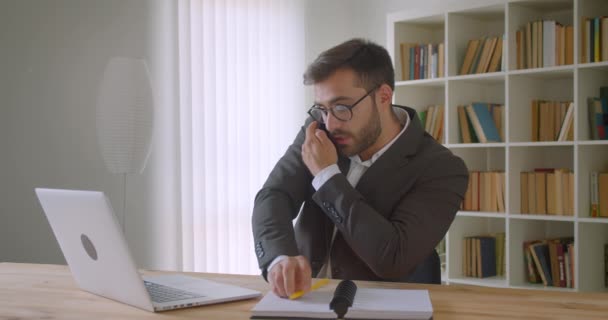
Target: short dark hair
x: 369, y: 61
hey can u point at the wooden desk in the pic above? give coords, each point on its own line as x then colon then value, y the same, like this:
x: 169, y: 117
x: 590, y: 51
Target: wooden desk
x: 32, y: 291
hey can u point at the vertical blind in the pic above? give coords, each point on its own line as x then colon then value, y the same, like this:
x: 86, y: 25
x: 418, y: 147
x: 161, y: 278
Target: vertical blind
x: 241, y: 104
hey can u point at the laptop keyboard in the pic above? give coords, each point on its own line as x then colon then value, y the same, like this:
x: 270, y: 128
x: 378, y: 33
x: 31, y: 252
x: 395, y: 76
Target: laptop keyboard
x: 160, y: 293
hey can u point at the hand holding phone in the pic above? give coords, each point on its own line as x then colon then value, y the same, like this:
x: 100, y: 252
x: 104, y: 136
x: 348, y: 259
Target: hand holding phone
x: 318, y: 151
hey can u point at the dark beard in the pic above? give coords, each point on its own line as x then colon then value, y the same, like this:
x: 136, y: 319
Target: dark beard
x: 367, y: 136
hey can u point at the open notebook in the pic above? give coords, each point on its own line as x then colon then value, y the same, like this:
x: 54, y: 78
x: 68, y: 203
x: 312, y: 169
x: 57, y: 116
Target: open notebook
x: 368, y: 304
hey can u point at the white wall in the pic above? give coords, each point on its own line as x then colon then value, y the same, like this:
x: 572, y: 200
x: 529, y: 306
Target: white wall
x: 52, y: 55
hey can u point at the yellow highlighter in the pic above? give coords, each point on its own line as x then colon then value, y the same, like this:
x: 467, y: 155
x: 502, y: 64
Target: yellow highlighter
x: 314, y: 286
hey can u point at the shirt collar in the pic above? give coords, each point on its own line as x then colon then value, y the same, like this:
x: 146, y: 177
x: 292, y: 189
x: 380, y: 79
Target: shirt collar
x: 404, y: 118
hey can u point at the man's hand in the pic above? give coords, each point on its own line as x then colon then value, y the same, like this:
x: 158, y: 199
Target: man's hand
x: 290, y: 275
x: 318, y: 152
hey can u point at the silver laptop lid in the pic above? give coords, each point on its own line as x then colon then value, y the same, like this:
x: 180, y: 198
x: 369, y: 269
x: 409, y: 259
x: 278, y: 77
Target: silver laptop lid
x: 93, y: 245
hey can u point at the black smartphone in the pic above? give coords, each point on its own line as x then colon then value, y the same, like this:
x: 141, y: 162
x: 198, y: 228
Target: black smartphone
x: 322, y: 127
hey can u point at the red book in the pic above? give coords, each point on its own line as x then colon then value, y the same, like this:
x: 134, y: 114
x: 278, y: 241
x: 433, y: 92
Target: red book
x: 562, y: 265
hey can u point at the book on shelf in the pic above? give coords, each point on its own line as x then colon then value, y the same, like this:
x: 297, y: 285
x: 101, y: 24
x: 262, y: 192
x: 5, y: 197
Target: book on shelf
x: 441, y: 60
x: 471, y: 198
x: 549, y: 43
x: 483, y: 256
x: 487, y: 256
x: 552, y: 120
x: 569, y: 54
x: 484, y: 58
x: 531, y: 271
x: 544, y: 43
x: 596, y: 123
x: 531, y: 192
x: 598, y: 116
x: 469, y: 56
x: 549, y: 261
x: 541, y: 192
x: 432, y: 118
x: 547, y: 191
x: 566, y: 131
x: 523, y: 193
x: 598, y: 194
x: 602, y: 187
x: 540, y: 256
x: 477, y: 56
x: 367, y: 303
x: 500, y: 253
x: 499, y: 182
x: 594, y: 195
x: 421, y: 61
x: 483, y: 122
x: 571, y: 254
x: 567, y: 267
x: 604, y: 38
x: 606, y: 265
x: 594, y: 39
x: 539, y: 43
x: 556, y: 254
x: 485, y: 192
x: 483, y: 55
x: 495, y: 63
x: 438, y: 123
x: 467, y: 132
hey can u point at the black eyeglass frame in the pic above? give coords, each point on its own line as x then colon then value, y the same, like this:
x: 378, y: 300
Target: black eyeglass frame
x: 325, y: 111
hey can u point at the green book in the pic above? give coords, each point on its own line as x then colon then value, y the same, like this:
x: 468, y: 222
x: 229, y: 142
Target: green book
x: 422, y: 116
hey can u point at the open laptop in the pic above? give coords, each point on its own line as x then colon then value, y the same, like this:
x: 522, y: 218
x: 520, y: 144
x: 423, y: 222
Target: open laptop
x: 96, y: 251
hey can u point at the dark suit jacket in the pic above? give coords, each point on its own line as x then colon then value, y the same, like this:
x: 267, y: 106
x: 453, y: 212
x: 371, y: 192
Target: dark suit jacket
x: 388, y: 225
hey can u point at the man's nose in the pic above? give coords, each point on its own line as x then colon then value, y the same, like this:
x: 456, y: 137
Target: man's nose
x: 331, y: 122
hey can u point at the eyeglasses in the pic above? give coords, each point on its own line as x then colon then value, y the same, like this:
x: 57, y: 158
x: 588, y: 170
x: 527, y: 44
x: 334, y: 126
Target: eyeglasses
x: 341, y: 112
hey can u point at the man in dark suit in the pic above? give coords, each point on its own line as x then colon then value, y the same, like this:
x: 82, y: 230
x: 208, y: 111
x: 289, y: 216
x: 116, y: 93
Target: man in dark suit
x: 372, y: 191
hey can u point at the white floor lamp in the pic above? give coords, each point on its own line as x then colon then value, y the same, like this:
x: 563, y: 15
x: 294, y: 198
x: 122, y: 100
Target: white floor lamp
x: 125, y: 118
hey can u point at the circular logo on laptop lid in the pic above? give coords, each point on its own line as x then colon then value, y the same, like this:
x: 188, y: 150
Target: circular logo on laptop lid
x: 88, y: 246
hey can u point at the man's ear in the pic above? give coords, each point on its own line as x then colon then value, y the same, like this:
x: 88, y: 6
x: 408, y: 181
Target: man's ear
x: 385, y: 95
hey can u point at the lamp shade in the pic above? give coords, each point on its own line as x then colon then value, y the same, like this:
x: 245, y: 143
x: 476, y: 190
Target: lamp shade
x: 125, y: 115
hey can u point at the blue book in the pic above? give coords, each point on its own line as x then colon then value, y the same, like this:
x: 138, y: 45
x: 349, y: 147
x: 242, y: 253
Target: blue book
x: 412, y: 60
x: 605, y: 116
x: 487, y: 248
x: 542, y: 260
x: 486, y: 121
x: 596, y: 40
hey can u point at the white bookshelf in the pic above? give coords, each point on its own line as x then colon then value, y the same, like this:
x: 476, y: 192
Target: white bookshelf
x: 515, y: 89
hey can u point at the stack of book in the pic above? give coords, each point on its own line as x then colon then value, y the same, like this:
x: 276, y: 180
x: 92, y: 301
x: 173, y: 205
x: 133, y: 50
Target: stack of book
x: 422, y: 61
x: 550, y: 262
x: 547, y: 191
x: 598, y: 115
x: 594, y: 39
x: 552, y: 121
x: 485, y: 192
x: 484, y: 256
x: 599, y: 194
x: 481, y: 122
x: 432, y: 119
x: 544, y: 43
x: 483, y: 55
